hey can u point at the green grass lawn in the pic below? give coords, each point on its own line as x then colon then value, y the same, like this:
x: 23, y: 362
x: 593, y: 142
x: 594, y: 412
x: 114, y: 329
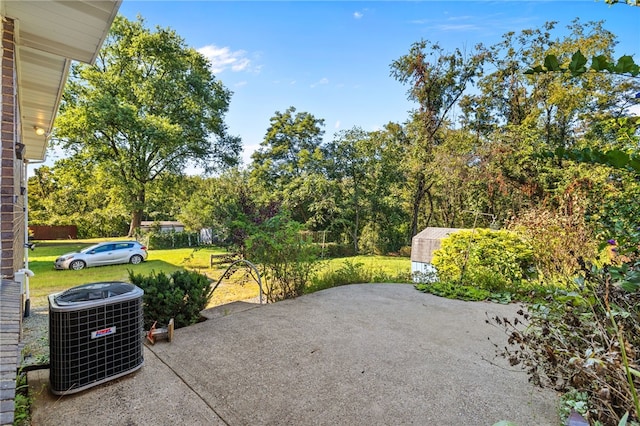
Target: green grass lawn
x: 47, y: 280
x: 391, y: 265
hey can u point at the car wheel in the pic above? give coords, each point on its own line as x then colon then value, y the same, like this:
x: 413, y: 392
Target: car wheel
x: 135, y: 259
x: 76, y: 265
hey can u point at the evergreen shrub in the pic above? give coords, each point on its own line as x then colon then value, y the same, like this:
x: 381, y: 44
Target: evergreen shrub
x: 181, y: 296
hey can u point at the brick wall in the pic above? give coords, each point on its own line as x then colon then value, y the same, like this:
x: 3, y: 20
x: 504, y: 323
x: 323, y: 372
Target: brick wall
x: 11, y: 202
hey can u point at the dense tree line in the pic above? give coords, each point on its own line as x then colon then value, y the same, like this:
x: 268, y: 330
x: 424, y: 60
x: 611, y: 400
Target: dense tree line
x: 476, y: 142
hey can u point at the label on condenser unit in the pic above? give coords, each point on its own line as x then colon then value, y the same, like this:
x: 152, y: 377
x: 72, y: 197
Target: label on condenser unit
x: 103, y: 332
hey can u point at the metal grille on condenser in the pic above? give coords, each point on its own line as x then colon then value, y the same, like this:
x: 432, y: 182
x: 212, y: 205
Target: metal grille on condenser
x: 79, y: 360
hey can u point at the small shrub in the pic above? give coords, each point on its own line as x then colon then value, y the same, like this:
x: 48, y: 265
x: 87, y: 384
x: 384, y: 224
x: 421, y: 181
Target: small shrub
x: 287, y: 257
x: 181, y: 296
x: 483, y: 258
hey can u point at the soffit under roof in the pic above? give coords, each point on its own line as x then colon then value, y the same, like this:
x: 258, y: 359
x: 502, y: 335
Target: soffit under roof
x: 49, y: 35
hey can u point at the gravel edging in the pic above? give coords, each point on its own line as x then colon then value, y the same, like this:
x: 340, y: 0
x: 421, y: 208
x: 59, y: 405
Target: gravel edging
x: 35, y: 337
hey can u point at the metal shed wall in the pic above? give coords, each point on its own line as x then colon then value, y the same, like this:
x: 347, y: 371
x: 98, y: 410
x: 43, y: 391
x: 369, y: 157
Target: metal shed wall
x: 426, y: 242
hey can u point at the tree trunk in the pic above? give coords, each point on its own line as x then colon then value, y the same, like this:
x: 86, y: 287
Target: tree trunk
x: 136, y: 219
x: 418, y: 196
x: 136, y: 214
x: 356, y: 242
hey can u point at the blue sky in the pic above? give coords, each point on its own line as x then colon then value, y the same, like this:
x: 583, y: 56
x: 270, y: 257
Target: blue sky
x: 331, y: 58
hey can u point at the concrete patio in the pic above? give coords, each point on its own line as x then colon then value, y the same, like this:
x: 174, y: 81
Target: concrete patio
x: 372, y: 354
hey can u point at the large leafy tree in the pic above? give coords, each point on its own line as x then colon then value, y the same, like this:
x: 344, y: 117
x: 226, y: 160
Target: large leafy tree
x: 436, y: 79
x: 366, y: 169
x: 515, y: 116
x: 292, y: 141
x: 148, y: 106
x: 287, y: 166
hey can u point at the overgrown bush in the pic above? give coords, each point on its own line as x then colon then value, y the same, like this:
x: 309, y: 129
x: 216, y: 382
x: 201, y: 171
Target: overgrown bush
x: 181, y: 296
x: 558, y: 240
x: 286, y: 256
x: 483, y: 258
x: 583, y: 343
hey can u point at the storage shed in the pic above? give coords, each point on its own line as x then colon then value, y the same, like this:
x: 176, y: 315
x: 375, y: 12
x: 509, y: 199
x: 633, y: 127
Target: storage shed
x: 423, y: 245
x: 162, y: 226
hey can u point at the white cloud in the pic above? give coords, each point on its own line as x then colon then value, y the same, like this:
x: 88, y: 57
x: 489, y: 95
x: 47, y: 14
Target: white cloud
x: 358, y: 15
x: 337, y: 125
x: 241, y: 83
x: 223, y: 58
x: 323, y: 80
x: 458, y: 27
x: 489, y: 23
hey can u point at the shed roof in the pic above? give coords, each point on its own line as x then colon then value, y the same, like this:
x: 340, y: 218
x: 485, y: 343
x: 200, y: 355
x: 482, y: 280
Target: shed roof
x: 425, y: 242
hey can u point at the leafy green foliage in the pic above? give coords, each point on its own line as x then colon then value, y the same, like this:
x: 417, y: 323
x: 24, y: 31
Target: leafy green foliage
x: 167, y: 240
x: 570, y: 344
x: 148, y: 106
x: 615, y: 158
x: 436, y: 80
x: 353, y: 272
x: 367, y: 169
x: 77, y: 192
x: 576, y: 401
x: 180, y: 295
x: 293, y: 138
x: 287, y: 166
x: 286, y: 256
x: 483, y: 258
x: 577, y: 66
x: 452, y: 290
x: 22, y: 401
x: 560, y: 240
